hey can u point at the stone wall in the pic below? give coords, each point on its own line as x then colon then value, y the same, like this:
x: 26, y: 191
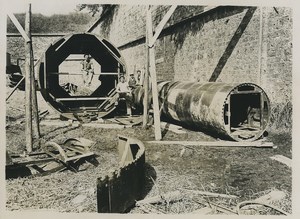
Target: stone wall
x: 225, y: 44
x: 15, y: 46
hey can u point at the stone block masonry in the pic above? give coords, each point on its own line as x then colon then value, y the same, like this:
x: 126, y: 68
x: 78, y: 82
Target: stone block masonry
x: 225, y: 44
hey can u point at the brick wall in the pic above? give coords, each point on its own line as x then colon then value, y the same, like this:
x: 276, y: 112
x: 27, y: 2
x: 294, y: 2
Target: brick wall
x: 225, y: 44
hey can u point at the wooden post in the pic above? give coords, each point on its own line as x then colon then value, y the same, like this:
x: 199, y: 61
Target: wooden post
x: 146, y: 76
x: 152, y: 70
x: 35, y: 113
x: 28, y: 108
x: 260, y: 45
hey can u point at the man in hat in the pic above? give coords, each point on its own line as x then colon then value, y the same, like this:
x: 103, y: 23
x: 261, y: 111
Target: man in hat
x: 124, y: 92
x: 139, y: 77
x: 87, y: 69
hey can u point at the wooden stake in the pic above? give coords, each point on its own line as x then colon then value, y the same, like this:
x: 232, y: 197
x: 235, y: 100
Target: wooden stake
x: 152, y: 70
x: 161, y: 25
x: 15, y: 88
x: 35, y: 114
x: 146, y: 78
x: 28, y: 108
x: 260, y: 46
x: 18, y: 26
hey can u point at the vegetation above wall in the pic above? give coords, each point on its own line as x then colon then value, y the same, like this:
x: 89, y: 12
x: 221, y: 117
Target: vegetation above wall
x: 57, y: 23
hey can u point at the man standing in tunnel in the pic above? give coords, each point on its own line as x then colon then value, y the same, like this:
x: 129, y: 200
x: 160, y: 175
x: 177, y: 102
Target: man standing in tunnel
x: 87, y: 69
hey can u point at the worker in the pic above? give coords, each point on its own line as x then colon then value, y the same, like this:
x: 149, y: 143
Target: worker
x: 131, y: 81
x: 87, y: 70
x: 139, y: 77
x: 124, y: 92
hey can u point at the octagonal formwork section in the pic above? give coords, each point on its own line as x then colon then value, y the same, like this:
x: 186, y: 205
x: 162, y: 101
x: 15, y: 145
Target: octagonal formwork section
x: 102, y: 52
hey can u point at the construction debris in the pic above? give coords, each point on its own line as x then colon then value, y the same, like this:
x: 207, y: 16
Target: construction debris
x: 54, y: 158
x: 171, y: 127
x: 266, y: 200
x: 282, y: 159
x: 211, y: 194
x: 222, y: 209
x: 216, y: 143
x: 119, y: 190
x: 165, y: 198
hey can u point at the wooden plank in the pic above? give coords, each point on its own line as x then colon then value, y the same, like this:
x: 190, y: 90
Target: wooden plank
x: 215, y: 143
x: 229, y: 113
x: 170, y: 196
x: 15, y: 88
x: 211, y: 194
x: 81, y: 98
x: 161, y: 25
x: 174, y: 128
x: 34, y: 102
x: 222, y: 208
x: 38, y: 35
x: 260, y: 46
x: 104, y: 126
x: 79, y: 74
x: 28, y: 81
x: 127, y: 156
x: 78, y: 156
x: 18, y: 26
x: 205, y: 210
x: 146, y: 79
x: 36, y: 161
x: 152, y: 70
x: 282, y: 159
x: 55, y: 123
x: 262, y: 110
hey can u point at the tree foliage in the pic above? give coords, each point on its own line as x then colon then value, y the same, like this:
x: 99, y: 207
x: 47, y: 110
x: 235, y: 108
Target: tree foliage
x: 57, y: 23
x: 94, y: 8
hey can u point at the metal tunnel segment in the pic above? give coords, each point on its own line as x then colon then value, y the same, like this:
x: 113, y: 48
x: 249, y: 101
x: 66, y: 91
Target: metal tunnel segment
x: 102, y: 51
x: 237, y: 111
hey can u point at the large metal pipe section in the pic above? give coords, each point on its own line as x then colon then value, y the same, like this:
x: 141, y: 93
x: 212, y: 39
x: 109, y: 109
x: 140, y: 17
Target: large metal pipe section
x: 238, y: 111
x: 51, y: 75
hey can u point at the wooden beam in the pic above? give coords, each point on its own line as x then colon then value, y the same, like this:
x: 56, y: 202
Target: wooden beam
x: 146, y: 76
x: 18, y: 26
x: 161, y: 25
x: 215, y: 143
x: 28, y: 80
x: 15, y: 88
x: 260, y: 46
x: 81, y: 98
x: 152, y: 70
x: 34, y: 102
x: 212, y: 194
x: 38, y: 35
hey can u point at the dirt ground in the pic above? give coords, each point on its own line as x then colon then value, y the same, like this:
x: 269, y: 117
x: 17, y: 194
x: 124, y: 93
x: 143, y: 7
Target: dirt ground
x: 246, y: 172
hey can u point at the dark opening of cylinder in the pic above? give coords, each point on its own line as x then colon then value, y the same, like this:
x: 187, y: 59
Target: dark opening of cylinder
x: 66, y: 86
x: 246, y: 113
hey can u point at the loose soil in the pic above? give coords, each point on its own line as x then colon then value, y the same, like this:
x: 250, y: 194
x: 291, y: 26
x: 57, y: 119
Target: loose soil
x: 246, y: 172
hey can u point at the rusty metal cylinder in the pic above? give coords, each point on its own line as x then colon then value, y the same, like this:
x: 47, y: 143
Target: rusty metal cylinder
x: 238, y: 111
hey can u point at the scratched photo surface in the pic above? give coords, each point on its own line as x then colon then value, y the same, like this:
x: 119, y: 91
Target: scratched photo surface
x: 149, y: 109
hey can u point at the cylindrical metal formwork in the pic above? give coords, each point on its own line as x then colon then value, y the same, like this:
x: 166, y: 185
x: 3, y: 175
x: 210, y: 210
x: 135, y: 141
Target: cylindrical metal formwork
x: 238, y: 111
x: 55, y: 84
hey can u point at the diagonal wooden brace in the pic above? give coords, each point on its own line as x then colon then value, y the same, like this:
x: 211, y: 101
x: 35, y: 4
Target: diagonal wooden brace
x: 18, y: 26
